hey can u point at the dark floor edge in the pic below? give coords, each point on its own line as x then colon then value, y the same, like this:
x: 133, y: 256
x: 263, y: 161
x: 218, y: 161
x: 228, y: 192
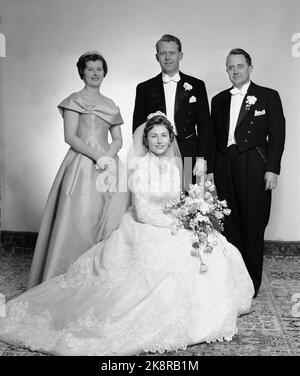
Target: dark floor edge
x: 284, y: 248
x: 25, y: 241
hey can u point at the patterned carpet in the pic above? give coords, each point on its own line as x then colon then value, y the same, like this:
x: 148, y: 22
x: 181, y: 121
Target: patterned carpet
x: 272, y: 328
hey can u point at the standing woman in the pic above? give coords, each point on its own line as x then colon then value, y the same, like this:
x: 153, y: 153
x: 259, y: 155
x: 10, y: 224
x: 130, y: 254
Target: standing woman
x: 72, y: 218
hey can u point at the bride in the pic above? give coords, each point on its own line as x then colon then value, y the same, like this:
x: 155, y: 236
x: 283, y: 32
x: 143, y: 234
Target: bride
x: 139, y: 290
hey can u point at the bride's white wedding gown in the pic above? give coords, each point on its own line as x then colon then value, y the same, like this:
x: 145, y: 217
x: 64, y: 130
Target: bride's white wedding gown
x: 140, y: 290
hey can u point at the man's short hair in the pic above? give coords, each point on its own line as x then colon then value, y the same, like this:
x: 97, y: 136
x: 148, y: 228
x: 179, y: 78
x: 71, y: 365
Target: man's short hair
x: 240, y: 51
x: 169, y: 38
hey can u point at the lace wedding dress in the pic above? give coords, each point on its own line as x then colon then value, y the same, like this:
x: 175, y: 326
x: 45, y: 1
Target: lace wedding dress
x: 139, y: 290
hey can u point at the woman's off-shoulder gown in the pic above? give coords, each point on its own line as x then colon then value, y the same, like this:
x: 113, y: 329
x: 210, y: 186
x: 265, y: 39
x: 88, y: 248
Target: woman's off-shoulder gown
x: 72, y: 216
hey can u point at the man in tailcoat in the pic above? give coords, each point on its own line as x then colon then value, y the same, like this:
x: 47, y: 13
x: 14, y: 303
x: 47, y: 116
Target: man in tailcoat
x: 249, y: 132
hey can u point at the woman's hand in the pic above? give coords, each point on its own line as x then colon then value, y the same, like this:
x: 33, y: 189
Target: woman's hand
x: 105, y: 163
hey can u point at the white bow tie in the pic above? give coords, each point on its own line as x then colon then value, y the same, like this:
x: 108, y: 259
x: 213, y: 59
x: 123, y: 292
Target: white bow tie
x: 235, y: 91
x: 174, y: 78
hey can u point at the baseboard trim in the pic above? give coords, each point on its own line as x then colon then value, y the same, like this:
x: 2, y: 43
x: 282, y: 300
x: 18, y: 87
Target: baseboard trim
x: 14, y: 241
x: 17, y: 241
x: 282, y: 248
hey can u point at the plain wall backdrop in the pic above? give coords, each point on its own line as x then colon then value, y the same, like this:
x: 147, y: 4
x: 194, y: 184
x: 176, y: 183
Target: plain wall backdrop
x: 45, y: 38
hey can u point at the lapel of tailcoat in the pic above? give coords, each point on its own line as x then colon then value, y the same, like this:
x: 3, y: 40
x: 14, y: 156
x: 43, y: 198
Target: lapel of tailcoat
x: 226, y: 109
x: 244, y: 111
x: 181, y: 94
x: 158, y: 94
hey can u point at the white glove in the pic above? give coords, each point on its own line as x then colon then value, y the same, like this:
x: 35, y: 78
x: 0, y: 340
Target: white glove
x: 105, y: 163
x: 200, y: 167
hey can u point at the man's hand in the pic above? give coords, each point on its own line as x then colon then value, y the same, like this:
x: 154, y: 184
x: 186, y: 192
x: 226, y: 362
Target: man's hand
x: 210, y: 177
x: 271, y: 180
x: 200, y: 167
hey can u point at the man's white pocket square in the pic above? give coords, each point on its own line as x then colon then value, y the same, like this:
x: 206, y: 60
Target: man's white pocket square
x: 192, y: 99
x: 259, y: 113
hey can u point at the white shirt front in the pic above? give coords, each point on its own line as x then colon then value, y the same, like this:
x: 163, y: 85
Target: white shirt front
x: 237, y: 97
x: 170, y: 87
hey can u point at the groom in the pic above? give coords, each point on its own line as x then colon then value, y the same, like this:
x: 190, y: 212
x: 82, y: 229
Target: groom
x: 183, y: 99
x: 249, y: 128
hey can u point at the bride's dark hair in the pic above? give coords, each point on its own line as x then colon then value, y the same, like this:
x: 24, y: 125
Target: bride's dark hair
x: 157, y: 120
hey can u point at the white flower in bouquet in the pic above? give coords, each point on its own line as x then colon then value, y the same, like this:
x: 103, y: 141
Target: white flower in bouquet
x: 219, y: 215
x: 208, y: 197
x: 195, y: 191
x: 200, y: 218
x: 223, y: 203
x: 227, y: 211
x: 205, y: 207
x: 189, y: 200
x: 202, y: 236
x: 202, y: 213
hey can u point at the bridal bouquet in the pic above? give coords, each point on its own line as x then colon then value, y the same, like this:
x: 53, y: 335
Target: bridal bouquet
x: 200, y: 211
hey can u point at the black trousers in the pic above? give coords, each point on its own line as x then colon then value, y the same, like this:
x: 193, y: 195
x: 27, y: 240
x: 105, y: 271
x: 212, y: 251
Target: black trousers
x: 239, y: 179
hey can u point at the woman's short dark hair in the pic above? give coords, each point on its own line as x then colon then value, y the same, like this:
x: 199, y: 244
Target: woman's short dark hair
x: 240, y: 51
x: 90, y: 56
x: 157, y: 120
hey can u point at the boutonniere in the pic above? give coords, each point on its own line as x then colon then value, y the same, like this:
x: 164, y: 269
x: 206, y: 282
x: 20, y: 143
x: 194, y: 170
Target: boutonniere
x: 250, y: 100
x: 187, y: 86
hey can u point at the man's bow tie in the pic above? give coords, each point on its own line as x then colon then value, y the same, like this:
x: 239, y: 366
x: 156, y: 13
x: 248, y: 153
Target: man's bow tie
x: 174, y: 78
x: 235, y: 91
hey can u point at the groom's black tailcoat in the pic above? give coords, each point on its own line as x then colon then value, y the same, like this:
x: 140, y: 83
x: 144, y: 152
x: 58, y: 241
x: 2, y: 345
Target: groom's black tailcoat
x: 239, y: 169
x: 191, y: 113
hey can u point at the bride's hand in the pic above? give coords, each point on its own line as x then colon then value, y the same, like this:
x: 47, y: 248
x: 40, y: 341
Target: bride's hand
x: 210, y: 177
